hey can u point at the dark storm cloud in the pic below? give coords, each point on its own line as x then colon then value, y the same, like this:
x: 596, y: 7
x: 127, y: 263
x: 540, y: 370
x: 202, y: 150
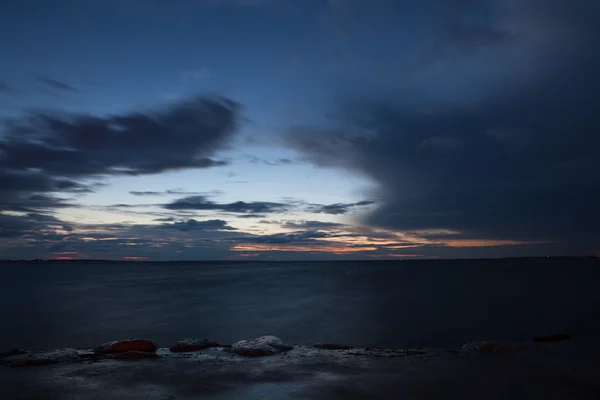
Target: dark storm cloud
x: 182, y: 136
x: 522, y: 163
x: 202, y: 203
x: 54, y: 84
x: 337, y: 208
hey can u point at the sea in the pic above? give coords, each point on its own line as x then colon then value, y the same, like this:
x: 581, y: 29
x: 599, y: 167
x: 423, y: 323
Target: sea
x: 418, y: 303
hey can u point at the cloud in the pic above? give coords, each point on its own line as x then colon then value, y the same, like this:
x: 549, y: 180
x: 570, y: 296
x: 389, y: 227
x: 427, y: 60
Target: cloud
x: 54, y: 84
x: 279, y: 161
x: 287, y: 238
x: 276, y: 162
x: 308, y: 225
x: 188, y: 193
x: 174, y: 192
x: 145, y: 193
x: 46, y: 154
x: 252, y: 216
x: 181, y: 136
x: 521, y: 163
x: 37, y: 235
x: 28, y: 191
x: 257, y: 209
x: 337, y: 208
x: 192, y: 224
x: 31, y: 235
x: 202, y: 203
x: 16, y: 226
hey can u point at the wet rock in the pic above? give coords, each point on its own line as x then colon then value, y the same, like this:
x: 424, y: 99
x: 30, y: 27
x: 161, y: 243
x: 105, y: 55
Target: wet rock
x: 332, y: 346
x: 123, y: 346
x: 42, y: 358
x: 559, y: 337
x: 493, y: 346
x: 259, y: 347
x: 192, y: 345
x: 12, y: 352
x: 134, y: 355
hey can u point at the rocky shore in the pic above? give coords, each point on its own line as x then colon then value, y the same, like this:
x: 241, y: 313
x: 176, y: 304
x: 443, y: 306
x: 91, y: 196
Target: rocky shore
x: 548, y: 367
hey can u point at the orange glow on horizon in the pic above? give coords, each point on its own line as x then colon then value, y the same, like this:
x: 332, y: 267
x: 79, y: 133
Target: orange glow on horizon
x: 301, y: 248
x: 135, y: 258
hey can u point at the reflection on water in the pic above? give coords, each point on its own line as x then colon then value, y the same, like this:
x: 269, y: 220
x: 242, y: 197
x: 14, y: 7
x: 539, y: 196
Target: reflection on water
x: 372, y: 304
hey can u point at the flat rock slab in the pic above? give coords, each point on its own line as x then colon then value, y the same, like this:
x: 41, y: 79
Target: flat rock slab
x: 549, y: 371
x: 41, y: 358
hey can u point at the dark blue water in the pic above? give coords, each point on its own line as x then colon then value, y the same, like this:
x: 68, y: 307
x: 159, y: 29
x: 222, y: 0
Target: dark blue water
x: 372, y: 304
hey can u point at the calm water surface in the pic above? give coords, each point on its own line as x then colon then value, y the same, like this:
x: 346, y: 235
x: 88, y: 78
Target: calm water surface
x: 372, y: 304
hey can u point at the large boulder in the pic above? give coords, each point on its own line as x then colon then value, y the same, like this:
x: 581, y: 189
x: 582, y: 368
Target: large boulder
x: 192, y: 345
x: 262, y: 346
x: 41, y: 358
x: 123, y: 346
x: 493, y: 346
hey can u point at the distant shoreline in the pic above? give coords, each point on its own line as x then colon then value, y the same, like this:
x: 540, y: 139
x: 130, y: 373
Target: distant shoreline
x: 60, y: 261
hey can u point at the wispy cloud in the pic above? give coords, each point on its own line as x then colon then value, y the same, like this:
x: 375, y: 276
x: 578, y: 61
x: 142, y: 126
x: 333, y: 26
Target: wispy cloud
x: 55, y: 84
x: 202, y: 203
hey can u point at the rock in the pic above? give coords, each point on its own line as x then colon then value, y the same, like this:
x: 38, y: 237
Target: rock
x: 331, y: 346
x: 262, y: 346
x: 559, y: 337
x: 123, y: 346
x: 192, y: 345
x: 42, y: 358
x: 134, y: 355
x: 493, y: 346
x: 12, y: 352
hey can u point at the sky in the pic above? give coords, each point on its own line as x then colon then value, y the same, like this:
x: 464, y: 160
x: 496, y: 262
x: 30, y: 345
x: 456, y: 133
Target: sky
x: 299, y: 129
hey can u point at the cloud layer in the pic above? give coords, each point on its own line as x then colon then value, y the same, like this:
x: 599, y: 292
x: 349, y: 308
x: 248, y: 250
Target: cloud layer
x: 48, y: 153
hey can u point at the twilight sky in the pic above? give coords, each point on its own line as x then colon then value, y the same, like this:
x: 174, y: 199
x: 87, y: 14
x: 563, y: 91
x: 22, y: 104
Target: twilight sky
x: 299, y: 129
